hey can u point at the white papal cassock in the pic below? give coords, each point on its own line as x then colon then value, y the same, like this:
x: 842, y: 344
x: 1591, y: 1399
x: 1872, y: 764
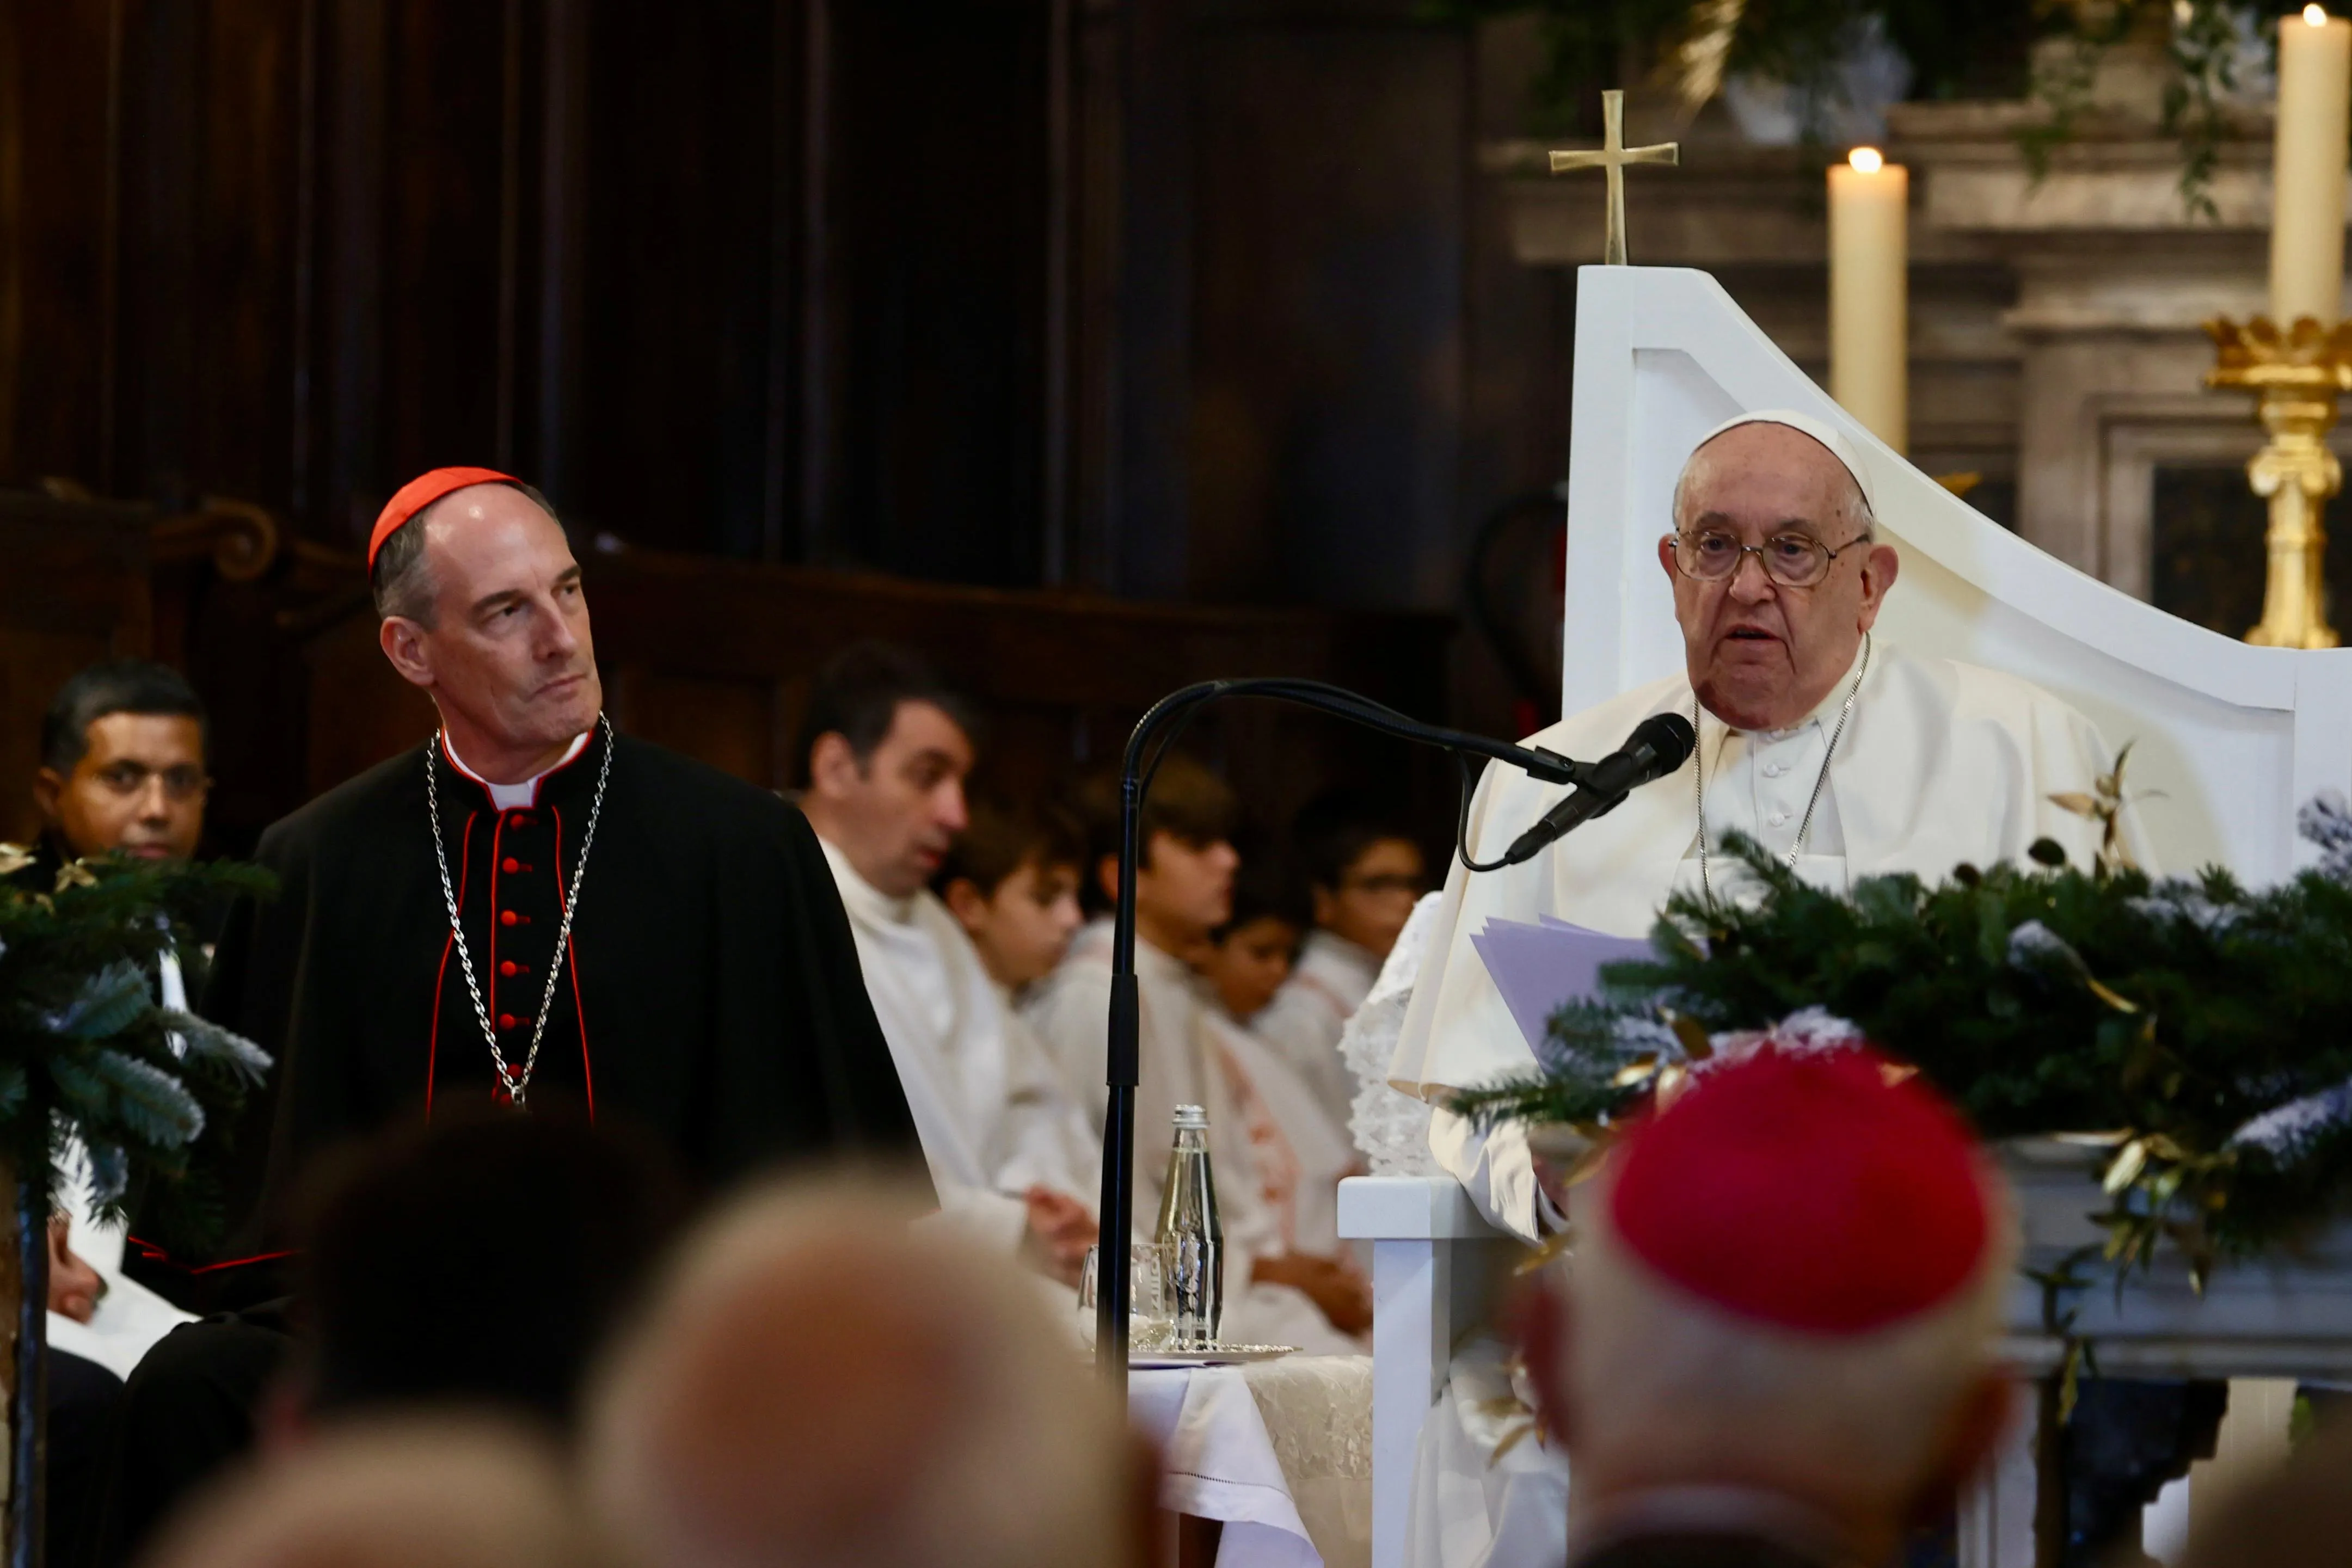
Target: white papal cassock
x: 991, y: 1111
x: 1940, y: 763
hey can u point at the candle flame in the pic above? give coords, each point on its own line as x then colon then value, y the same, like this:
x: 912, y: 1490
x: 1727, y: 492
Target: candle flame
x: 2314, y: 16
x: 1868, y: 160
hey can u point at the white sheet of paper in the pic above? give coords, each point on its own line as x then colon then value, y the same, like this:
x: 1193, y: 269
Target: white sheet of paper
x: 1540, y: 968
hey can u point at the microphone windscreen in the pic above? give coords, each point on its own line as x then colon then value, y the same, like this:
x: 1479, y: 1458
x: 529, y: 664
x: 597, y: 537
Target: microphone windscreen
x: 1670, y: 739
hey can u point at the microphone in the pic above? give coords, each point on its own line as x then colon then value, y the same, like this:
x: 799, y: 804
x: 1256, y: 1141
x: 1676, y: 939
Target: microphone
x: 1659, y: 745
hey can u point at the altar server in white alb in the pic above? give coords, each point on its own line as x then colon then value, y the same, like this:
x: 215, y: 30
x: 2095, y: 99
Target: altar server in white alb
x: 887, y: 747
x: 1836, y: 751
x: 1183, y: 891
x: 1364, y: 876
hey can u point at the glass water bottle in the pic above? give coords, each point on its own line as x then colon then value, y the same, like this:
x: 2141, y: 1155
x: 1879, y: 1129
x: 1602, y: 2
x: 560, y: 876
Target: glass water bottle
x: 1192, y: 1239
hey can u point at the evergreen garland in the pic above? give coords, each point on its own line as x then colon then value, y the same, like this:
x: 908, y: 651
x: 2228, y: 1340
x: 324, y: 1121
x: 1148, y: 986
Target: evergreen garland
x: 86, y: 1050
x: 2193, y: 1027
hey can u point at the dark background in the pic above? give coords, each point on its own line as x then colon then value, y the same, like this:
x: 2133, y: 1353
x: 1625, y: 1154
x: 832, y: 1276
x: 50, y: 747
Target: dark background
x: 1170, y: 298
x: 1135, y: 308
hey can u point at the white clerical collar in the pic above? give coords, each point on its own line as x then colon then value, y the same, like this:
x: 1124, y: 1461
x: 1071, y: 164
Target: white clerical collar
x: 512, y: 797
x: 861, y: 897
x: 1803, y: 1528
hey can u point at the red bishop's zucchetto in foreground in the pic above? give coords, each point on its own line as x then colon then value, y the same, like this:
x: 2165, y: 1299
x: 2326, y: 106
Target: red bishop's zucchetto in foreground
x: 1804, y: 1189
x: 422, y: 492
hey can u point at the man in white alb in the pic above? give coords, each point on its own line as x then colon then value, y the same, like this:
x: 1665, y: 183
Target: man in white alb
x: 1835, y: 751
x: 886, y: 749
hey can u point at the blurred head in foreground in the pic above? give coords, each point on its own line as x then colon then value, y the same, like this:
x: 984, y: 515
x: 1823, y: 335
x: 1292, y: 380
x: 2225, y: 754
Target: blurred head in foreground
x: 417, y: 1492
x: 816, y: 1384
x: 479, y: 1261
x: 1779, y: 1323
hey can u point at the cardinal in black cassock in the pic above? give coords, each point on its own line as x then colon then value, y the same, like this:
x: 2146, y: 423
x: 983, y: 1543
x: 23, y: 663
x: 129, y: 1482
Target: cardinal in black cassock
x: 708, y: 992
x: 705, y: 987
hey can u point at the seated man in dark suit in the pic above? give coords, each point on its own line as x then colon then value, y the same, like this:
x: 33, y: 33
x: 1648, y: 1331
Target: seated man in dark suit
x: 1774, y: 1347
x: 122, y: 773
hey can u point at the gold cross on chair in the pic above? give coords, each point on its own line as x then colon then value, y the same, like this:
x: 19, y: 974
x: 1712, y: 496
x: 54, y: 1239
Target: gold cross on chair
x: 1611, y: 158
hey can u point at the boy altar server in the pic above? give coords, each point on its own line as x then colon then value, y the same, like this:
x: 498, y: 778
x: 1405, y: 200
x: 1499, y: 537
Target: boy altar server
x: 1364, y: 877
x: 1184, y: 892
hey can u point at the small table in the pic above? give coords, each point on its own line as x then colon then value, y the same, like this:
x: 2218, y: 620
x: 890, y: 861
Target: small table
x: 1277, y: 1456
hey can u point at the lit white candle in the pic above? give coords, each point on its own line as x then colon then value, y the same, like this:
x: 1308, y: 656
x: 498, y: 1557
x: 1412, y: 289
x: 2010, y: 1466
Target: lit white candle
x: 2307, y: 197
x: 1869, y: 293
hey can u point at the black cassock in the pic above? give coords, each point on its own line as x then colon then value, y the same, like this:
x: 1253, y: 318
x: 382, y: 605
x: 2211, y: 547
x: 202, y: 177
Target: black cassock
x: 712, y: 1000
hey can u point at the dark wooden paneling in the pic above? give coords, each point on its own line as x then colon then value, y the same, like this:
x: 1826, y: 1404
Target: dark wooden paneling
x: 1163, y: 297
x: 56, y: 239
x: 728, y: 722
x: 680, y: 271
x: 75, y: 590
x: 202, y: 362
x: 1328, y: 268
x: 445, y: 196
x: 713, y: 658
x: 936, y: 204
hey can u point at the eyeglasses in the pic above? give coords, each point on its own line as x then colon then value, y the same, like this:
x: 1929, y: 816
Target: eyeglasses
x: 1791, y: 559
x: 183, y: 782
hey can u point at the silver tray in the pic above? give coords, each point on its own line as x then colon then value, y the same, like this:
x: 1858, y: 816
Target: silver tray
x: 1204, y: 1356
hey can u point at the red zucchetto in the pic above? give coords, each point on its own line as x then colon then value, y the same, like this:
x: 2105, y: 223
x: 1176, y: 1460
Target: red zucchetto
x: 422, y: 492
x: 1802, y: 1189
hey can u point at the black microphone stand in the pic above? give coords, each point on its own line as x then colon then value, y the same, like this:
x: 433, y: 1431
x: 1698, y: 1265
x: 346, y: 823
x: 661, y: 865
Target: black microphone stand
x: 1113, y: 1287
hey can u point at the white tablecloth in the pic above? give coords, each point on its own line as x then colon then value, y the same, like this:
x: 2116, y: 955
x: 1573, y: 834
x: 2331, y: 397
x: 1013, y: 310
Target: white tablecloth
x: 1279, y: 1452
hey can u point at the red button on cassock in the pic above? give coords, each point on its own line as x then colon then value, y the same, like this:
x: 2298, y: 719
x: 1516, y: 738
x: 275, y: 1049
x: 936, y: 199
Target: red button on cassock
x: 511, y: 865
x: 509, y: 969
x: 508, y: 917
x: 517, y: 819
x: 506, y: 1020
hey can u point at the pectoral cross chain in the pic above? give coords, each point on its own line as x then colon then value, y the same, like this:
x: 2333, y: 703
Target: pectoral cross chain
x: 1610, y: 158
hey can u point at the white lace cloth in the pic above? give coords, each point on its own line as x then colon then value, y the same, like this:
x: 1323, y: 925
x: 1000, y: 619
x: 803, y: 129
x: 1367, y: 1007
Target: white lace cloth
x: 1318, y: 1410
x: 1391, y: 1128
x: 1280, y: 1453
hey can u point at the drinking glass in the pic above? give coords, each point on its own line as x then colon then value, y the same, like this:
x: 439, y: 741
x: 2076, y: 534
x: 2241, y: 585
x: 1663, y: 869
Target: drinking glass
x: 1148, y: 1321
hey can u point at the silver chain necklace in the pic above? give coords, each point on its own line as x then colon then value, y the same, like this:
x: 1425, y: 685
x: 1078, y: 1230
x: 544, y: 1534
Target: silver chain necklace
x: 516, y: 1083
x: 1805, y: 825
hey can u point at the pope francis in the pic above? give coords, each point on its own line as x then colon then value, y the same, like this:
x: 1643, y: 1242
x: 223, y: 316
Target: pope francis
x: 1831, y: 748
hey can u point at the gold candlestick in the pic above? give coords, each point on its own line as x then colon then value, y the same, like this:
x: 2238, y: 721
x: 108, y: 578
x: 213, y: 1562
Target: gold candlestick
x: 2297, y: 376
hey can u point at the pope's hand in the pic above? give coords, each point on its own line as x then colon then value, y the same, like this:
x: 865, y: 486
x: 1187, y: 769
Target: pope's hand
x: 74, y: 1285
x: 1060, y: 1230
